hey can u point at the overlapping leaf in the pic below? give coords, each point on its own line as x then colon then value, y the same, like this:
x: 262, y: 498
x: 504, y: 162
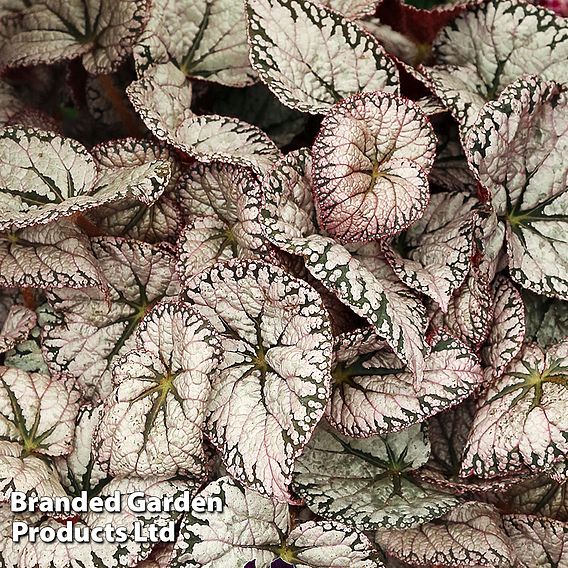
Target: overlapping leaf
x: 255, y: 528
x: 80, y: 470
x: 374, y: 394
x: 311, y: 57
x: 377, y: 488
x: 16, y: 326
x: 54, y: 255
x: 470, y: 535
x: 538, y: 541
x: 352, y: 9
x: 359, y: 277
x: 152, y: 423
x: 26, y: 473
x: 44, y: 177
x: 37, y: 411
x: 92, y: 331
x: 371, y: 160
x: 274, y: 379
x: 515, y: 39
x: 518, y: 151
x: 151, y: 222
x: 521, y: 421
x: 221, y: 203
x: 101, y: 32
x: 434, y: 255
x: 204, y: 39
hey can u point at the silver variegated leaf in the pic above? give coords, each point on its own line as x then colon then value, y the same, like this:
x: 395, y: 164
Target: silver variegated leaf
x: 38, y: 411
x: 274, y: 379
x: 471, y: 535
x: 327, y: 59
x: 434, y: 256
x: 359, y: 277
x: 507, y: 332
x: 515, y: 39
x: 377, y: 488
x: 352, y: 9
x: 54, y: 255
x: 44, y: 176
x: 150, y: 222
x: 93, y: 330
x: 372, y: 393
x: 151, y: 424
x: 371, y: 160
x: 211, y: 138
x: 470, y: 310
x: 521, y: 421
x: 16, y: 327
x: 517, y: 150
x: 250, y: 527
x: 222, y: 205
x: 162, y: 98
x: 328, y: 544
x: 80, y: 470
x: 204, y: 39
x: 101, y: 32
x: 538, y: 542
x: 25, y: 473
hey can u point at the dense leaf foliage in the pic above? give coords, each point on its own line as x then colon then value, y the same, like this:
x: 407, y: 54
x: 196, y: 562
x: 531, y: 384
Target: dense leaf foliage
x: 304, y: 260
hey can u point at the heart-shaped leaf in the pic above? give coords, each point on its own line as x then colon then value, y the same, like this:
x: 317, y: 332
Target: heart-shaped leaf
x: 274, y: 379
x: 521, y: 420
x: 44, y: 176
x: 517, y: 150
x: 372, y: 392
x: 102, y: 32
x: 340, y: 59
x: 371, y: 160
x: 152, y: 423
x: 515, y: 38
x: 92, y: 331
x: 377, y: 488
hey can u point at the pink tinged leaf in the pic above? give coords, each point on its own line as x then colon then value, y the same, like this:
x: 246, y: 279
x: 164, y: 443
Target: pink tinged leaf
x: 276, y: 365
x: 470, y: 311
x: 25, y: 473
x: 329, y: 58
x: 538, y: 541
x: 222, y: 205
x: 374, y: 394
x: 38, y: 411
x: 16, y: 327
x: 521, y: 421
x: 507, y: 333
x: 152, y: 423
x: 470, y: 535
x: 515, y: 38
x: 377, y: 488
x: 328, y: 544
x: 92, y: 332
x: 162, y: 98
x: 371, y: 160
x: 361, y: 279
x: 44, y: 177
x: 518, y: 151
x: 203, y: 38
x: 54, y: 255
x: 101, y: 31
x: 437, y: 250
x: 249, y: 527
